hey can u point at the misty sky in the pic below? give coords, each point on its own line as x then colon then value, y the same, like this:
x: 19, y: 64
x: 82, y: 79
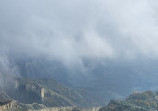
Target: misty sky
x: 70, y: 30
x: 118, y: 39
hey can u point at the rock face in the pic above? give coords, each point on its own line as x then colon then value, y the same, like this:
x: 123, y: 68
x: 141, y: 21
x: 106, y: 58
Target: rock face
x: 5, y: 101
x: 6, y: 104
x: 41, y: 93
x: 4, y: 98
x: 11, y: 106
x: 144, y: 101
x: 55, y: 109
x: 68, y: 109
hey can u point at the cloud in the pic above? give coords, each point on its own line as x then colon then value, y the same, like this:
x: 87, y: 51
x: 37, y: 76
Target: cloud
x: 72, y: 30
x: 62, y: 31
x: 137, y: 22
x: 8, y: 70
x: 115, y: 39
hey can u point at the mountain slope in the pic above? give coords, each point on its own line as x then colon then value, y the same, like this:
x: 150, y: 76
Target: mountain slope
x: 144, y: 101
x: 47, y: 92
x: 4, y: 99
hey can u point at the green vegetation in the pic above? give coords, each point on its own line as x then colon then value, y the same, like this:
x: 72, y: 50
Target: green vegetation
x: 28, y: 93
x: 33, y: 106
x: 145, y: 101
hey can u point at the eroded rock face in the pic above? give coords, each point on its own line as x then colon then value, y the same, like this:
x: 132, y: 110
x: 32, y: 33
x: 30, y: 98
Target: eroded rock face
x: 4, y: 98
x: 44, y: 94
x: 9, y: 106
x: 48, y: 92
x: 69, y: 109
x: 6, y: 103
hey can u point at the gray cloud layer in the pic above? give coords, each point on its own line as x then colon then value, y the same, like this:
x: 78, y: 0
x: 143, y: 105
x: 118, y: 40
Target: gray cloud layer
x: 70, y: 30
x: 8, y: 70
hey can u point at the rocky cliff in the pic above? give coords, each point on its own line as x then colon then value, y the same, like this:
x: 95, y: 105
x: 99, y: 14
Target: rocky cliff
x: 69, y: 109
x: 35, y: 94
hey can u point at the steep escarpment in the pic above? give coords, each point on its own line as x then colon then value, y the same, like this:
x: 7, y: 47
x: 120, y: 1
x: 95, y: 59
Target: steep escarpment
x: 6, y: 103
x: 41, y: 93
x: 12, y: 105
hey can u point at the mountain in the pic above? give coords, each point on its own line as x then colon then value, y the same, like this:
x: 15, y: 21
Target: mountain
x: 41, y: 93
x: 144, y: 101
x: 4, y: 98
x: 82, y: 82
x: 119, y: 78
x: 100, y: 80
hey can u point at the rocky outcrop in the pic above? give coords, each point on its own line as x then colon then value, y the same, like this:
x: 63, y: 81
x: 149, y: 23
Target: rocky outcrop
x: 11, y: 106
x: 4, y: 98
x: 48, y: 92
x: 44, y: 95
x: 5, y: 101
x: 6, y: 106
x: 68, y: 109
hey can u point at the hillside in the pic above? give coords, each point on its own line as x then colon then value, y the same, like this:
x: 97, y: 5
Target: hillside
x: 144, y: 101
x: 4, y: 99
x: 41, y: 93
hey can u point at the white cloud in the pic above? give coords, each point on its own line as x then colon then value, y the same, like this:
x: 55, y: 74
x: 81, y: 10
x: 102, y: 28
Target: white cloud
x: 71, y: 30
x: 137, y: 21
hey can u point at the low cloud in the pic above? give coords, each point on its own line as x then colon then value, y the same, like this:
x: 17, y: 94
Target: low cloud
x: 72, y: 30
x: 110, y: 43
x: 8, y: 70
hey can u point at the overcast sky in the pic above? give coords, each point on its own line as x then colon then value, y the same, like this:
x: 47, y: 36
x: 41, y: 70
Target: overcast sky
x: 123, y: 34
x: 70, y: 30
